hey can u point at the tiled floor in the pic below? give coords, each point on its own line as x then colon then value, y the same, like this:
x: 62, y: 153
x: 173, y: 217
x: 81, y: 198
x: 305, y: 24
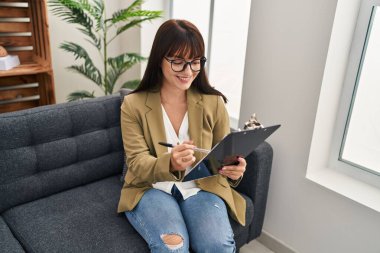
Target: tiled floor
x: 255, y: 247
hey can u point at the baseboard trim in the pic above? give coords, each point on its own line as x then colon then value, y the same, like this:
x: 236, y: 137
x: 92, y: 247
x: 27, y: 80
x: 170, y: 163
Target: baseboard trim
x: 274, y: 243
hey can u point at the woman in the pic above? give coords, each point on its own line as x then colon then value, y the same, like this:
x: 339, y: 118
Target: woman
x: 175, y: 103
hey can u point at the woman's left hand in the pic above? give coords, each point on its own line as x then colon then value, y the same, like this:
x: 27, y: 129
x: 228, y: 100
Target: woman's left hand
x: 234, y: 172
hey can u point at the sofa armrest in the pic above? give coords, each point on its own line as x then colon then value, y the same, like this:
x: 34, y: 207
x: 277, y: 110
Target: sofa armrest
x: 255, y: 184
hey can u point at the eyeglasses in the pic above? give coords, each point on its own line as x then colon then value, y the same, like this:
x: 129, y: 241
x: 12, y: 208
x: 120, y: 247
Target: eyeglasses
x: 179, y: 65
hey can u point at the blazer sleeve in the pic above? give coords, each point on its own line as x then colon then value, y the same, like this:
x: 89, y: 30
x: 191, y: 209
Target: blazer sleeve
x: 222, y: 122
x: 143, y: 167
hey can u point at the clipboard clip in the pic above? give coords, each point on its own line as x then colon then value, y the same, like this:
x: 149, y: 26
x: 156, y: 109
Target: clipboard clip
x: 252, y: 123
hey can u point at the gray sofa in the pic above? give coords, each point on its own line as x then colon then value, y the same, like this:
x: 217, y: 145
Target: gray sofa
x: 60, y: 170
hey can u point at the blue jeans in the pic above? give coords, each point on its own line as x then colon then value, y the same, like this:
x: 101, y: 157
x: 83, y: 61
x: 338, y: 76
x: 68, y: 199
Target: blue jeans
x: 200, y: 220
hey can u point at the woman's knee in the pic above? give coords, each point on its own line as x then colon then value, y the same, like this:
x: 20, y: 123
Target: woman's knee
x: 172, y: 242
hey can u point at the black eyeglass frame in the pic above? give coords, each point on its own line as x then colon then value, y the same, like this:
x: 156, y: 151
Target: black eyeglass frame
x: 202, y: 60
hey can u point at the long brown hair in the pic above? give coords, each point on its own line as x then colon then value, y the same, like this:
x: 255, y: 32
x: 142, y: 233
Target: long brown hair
x: 176, y: 38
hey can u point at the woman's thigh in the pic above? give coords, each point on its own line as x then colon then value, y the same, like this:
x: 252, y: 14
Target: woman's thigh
x: 207, y: 223
x: 157, y: 217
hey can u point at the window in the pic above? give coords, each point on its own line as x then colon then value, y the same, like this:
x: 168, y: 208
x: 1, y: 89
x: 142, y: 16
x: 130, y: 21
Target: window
x: 359, y: 133
x: 224, y: 27
x: 228, y: 49
x: 197, y: 12
x: 344, y: 153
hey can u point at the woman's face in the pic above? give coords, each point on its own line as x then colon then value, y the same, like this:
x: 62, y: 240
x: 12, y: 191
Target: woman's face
x: 178, y: 80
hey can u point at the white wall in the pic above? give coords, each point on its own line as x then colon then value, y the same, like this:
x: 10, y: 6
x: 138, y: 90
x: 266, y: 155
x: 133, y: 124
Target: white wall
x: 60, y: 31
x: 286, y: 54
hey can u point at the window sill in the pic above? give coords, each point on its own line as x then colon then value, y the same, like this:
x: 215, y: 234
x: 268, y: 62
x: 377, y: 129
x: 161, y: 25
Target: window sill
x: 347, y: 186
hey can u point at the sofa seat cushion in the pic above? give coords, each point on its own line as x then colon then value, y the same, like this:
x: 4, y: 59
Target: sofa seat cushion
x: 82, y: 219
x: 8, y: 242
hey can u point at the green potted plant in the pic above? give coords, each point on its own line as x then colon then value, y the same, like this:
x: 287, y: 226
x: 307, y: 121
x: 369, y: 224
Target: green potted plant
x: 100, y: 30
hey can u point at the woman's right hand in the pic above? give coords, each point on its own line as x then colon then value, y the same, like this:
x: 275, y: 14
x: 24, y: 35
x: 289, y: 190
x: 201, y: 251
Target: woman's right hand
x: 182, y: 156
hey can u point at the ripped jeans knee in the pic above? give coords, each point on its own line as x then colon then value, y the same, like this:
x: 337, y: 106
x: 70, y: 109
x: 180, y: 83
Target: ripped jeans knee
x: 172, y: 241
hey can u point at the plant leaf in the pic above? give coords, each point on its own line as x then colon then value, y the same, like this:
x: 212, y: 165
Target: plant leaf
x: 86, y: 71
x: 81, y: 94
x: 124, y: 15
x: 118, y: 65
x: 132, y: 84
x: 74, y: 12
x: 125, y: 60
x: 78, y: 51
x: 133, y: 23
x: 97, y: 12
x: 135, y: 5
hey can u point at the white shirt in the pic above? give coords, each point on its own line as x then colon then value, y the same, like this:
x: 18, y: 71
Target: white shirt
x: 188, y: 188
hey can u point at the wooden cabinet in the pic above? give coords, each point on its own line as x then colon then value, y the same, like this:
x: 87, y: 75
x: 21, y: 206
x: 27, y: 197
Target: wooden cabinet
x: 24, y: 32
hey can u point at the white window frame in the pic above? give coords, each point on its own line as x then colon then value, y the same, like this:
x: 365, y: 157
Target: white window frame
x: 355, y: 61
x: 343, y: 59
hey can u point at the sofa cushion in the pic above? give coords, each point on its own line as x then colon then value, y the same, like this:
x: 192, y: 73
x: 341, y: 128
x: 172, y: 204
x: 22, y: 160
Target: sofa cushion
x: 53, y: 148
x: 82, y: 219
x: 7, y: 241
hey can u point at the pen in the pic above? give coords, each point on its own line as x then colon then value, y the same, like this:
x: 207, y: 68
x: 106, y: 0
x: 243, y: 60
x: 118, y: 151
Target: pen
x: 169, y: 145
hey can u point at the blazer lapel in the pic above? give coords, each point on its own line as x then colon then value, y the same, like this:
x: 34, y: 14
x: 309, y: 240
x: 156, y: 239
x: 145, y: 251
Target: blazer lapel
x: 156, y: 124
x: 195, y: 114
x: 155, y: 121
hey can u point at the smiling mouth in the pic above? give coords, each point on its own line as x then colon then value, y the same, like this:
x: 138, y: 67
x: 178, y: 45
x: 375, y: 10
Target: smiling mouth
x: 184, y: 78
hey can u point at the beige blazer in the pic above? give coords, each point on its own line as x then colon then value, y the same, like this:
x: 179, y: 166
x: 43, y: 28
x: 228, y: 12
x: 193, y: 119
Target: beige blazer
x: 148, y: 162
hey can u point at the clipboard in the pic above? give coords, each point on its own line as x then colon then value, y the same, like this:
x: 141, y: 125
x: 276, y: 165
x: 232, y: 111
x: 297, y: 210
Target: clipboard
x: 228, y: 150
